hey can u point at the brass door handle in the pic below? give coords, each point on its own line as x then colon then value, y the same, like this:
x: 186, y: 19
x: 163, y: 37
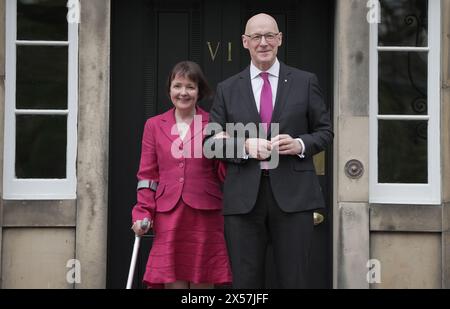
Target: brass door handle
x: 318, y: 218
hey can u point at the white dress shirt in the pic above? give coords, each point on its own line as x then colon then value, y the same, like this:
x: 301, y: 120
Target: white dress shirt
x: 257, y: 84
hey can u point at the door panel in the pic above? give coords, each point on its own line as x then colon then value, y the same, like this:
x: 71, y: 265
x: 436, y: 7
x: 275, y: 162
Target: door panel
x: 148, y: 38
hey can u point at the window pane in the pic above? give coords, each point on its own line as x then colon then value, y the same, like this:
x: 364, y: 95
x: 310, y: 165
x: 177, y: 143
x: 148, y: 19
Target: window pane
x: 41, y: 146
x: 403, y: 23
x: 41, y: 77
x: 402, y: 151
x: 402, y: 84
x: 44, y: 20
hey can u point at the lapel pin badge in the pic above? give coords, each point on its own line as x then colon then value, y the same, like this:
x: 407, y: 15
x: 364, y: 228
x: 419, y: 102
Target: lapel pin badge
x: 285, y: 80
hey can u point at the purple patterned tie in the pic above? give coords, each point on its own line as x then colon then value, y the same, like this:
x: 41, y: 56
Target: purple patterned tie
x: 265, y: 103
x: 265, y: 108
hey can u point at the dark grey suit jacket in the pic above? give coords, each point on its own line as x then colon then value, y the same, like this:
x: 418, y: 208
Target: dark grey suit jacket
x: 300, y: 112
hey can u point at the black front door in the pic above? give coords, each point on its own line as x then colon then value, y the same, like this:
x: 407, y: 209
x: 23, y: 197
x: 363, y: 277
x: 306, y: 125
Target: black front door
x: 148, y: 38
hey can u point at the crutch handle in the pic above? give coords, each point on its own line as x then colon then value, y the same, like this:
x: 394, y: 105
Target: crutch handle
x: 144, y: 224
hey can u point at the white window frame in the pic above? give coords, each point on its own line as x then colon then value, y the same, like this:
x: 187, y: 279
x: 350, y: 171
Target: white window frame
x: 38, y: 189
x: 419, y: 194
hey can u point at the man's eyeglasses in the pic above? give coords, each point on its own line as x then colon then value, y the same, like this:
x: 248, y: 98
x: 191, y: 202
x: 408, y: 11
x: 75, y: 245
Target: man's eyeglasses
x: 256, y: 38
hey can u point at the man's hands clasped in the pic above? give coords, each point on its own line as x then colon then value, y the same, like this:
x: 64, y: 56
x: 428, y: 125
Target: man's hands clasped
x: 260, y: 149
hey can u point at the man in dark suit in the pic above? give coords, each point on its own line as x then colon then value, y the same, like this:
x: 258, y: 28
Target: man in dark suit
x: 262, y: 203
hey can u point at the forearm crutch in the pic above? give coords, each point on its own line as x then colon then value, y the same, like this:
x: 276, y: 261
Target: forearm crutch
x: 137, y: 242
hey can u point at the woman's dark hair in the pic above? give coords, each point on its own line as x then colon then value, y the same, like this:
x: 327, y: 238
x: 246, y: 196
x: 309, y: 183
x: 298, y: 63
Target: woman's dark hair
x: 191, y: 70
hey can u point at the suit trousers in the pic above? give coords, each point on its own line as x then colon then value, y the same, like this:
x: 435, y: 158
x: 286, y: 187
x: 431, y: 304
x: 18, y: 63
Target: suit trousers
x: 248, y: 236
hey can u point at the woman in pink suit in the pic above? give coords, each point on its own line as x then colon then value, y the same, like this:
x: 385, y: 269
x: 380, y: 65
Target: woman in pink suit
x: 179, y: 191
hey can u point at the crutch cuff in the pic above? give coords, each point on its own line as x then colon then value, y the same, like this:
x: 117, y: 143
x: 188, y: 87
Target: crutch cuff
x: 147, y: 184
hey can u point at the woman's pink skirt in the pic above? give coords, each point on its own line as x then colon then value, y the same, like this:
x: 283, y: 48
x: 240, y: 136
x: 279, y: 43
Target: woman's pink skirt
x: 189, y: 245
